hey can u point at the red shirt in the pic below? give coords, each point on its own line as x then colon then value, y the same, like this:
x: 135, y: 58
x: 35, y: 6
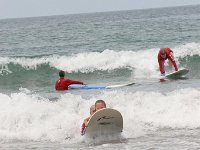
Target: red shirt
x: 168, y: 56
x: 63, y: 83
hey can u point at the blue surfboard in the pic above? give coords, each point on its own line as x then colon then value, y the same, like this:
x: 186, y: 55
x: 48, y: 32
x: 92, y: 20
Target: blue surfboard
x: 87, y: 86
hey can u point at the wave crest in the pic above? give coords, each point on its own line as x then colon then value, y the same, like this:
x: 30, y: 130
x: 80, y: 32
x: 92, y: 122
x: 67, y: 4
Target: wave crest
x: 144, y: 61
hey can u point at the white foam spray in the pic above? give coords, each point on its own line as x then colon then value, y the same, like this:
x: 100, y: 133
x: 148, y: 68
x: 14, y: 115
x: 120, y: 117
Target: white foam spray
x: 28, y: 116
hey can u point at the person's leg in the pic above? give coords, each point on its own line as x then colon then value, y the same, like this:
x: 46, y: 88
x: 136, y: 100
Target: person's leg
x: 170, y: 63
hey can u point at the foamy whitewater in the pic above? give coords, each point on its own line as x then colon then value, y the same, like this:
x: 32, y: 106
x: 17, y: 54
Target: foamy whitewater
x: 104, y: 49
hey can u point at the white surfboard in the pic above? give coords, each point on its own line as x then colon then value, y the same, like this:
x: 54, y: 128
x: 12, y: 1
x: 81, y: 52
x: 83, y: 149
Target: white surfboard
x: 119, y: 85
x: 177, y: 74
x: 105, y: 122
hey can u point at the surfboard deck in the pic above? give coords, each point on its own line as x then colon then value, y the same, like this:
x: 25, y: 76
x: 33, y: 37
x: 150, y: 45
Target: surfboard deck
x: 119, y: 85
x: 105, y: 122
x: 80, y: 86
x: 177, y: 74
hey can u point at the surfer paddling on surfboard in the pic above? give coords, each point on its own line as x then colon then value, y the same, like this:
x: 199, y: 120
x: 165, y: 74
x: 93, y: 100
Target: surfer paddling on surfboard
x: 62, y: 83
x: 99, y: 104
x: 163, y: 54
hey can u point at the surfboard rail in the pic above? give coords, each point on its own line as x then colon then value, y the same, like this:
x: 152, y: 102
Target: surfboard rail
x: 88, y: 86
x: 177, y: 74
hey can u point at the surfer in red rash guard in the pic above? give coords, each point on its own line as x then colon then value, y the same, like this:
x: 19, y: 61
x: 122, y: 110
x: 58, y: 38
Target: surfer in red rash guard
x: 163, y: 54
x: 62, y: 83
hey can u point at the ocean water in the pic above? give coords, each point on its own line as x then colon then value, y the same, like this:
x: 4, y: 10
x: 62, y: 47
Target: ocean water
x: 100, y: 48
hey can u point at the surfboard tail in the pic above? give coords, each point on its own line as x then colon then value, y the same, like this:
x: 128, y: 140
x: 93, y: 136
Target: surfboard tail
x: 119, y: 85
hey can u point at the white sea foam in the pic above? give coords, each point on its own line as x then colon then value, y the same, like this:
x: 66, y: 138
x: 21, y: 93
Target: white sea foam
x: 27, y: 116
x: 188, y: 49
x: 143, y: 62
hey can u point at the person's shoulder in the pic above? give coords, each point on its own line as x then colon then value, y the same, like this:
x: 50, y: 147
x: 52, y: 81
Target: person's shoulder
x: 67, y: 79
x: 164, y: 48
x: 167, y: 48
x: 58, y: 80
